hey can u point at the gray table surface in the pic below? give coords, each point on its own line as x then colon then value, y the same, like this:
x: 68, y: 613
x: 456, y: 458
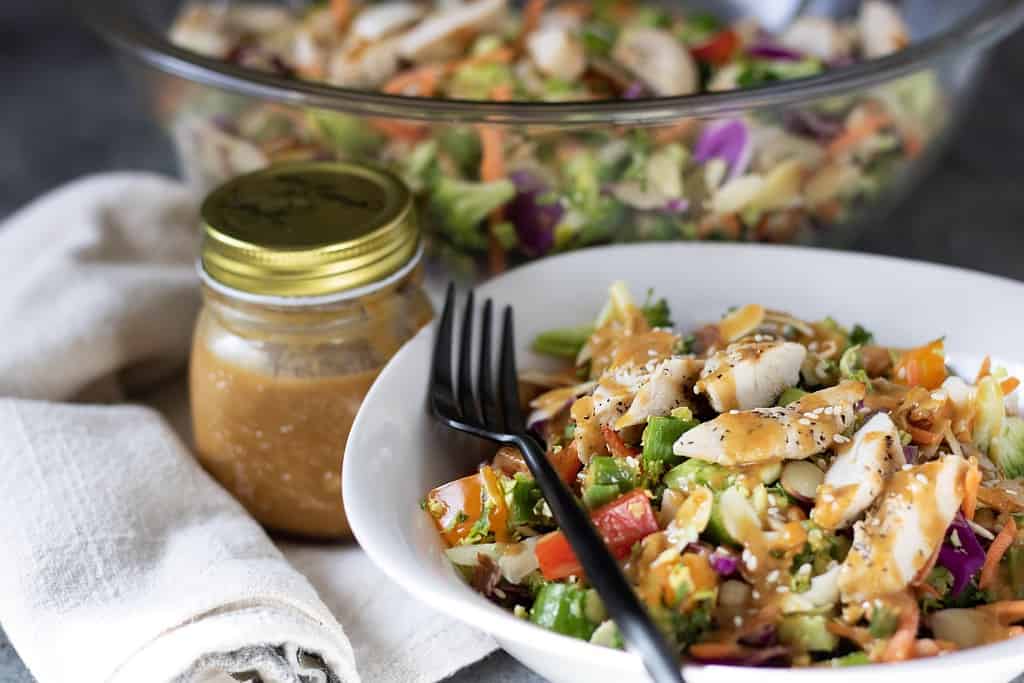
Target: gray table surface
x: 68, y: 111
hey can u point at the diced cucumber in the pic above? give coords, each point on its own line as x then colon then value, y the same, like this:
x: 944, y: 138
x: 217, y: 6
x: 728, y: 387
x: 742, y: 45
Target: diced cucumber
x: 694, y: 471
x: 790, y: 395
x: 562, y: 607
x: 733, y: 517
x: 807, y: 632
x: 606, y: 478
x: 852, y: 659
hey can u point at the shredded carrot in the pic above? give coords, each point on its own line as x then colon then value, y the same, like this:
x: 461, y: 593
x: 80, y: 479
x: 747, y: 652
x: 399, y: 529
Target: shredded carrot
x: 531, y: 18
x: 1009, y: 385
x: 829, y: 210
x: 901, y: 645
x: 923, y: 437
x: 1007, y: 535
x: 616, y: 446
x: 928, y: 647
x: 674, y: 132
x: 971, y: 484
x: 912, y: 144
x: 865, y: 128
x: 341, y: 10
x: 722, y: 650
x: 856, y: 634
x: 421, y: 81
x: 499, y: 55
x: 492, y: 167
x: 986, y: 367
x: 999, y: 499
x: 1006, y: 611
x: 922, y: 574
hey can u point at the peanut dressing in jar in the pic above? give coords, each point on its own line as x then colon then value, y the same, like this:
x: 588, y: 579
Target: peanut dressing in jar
x: 311, y: 284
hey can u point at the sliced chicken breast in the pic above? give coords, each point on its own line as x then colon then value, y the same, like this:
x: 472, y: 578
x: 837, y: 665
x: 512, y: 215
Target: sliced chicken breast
x: 663, y: 390
x: 751, y: 374
x: 858, y: 473
x: 443, y: 34
x: 798, y: 431
x: 899, y: 537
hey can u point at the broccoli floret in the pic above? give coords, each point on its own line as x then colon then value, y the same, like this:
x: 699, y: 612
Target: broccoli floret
x: 860, y: 336
x: 419, y: 168
x: 459, y: 206
x: 461, y: 144
x: 1007, y: 449
x: 350, y: 136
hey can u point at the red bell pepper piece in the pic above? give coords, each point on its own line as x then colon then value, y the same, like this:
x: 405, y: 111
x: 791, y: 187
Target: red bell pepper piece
x: 621, y: 523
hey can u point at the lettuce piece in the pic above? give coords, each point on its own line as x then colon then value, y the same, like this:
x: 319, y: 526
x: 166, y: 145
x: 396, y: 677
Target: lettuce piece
x: 991, y: 412
x: 1007, y: 449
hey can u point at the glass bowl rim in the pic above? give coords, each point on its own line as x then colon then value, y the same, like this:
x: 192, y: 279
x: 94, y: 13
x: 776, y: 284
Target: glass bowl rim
x: 992, y: 22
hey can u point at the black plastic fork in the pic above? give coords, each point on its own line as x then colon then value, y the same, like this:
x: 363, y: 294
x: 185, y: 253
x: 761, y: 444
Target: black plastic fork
x: 493, y: 413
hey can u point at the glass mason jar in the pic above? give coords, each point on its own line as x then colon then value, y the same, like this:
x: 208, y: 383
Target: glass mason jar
x: 311, y: 282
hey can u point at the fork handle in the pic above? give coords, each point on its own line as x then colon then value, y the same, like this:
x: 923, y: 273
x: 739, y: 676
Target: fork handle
x: 640, y: 634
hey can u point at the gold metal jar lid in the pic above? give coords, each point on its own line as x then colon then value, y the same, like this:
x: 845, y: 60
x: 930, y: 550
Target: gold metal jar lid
x: 308, y: 229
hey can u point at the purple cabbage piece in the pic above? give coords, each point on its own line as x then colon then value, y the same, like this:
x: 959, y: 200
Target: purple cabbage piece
x: 679, y: 205
x: 813, y: 124
x: 724, y: 563
x: 770, y: 656
x: 963, y: 562
x: 534, y: 222
x: 765, y: 635
x: 728, y: 140
x: 910, y: 454
x: 765, y: 49
x: 634, y: 91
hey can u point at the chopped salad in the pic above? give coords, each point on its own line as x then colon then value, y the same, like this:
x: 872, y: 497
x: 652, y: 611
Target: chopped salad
x: 495, y: 195
x: 778, y: 491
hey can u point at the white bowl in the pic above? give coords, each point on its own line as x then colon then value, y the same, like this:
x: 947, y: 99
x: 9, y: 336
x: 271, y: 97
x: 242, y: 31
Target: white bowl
x: 395, y: 453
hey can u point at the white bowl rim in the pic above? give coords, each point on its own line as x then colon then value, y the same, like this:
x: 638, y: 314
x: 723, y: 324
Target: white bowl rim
x: 497, y: 622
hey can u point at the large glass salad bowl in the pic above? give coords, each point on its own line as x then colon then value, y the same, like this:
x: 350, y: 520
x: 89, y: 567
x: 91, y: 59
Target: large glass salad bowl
x: 773, y: 135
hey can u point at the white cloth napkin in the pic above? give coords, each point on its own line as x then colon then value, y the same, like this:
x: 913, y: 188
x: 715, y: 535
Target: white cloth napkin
x: 120, y: 559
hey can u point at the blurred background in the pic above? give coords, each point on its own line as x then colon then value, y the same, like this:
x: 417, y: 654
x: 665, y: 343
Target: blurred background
x: 68, y: 111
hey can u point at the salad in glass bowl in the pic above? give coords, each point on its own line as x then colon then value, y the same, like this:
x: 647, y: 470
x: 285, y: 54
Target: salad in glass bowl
x: 495, y: 192
x: 778, y: 491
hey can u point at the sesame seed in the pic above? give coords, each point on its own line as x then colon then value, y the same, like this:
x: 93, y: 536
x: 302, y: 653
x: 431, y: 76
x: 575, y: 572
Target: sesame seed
x: 737, y: 621
x: 921, y: 478
x: 804, y: 421
x: 773, y: 576
x: 908, y: 466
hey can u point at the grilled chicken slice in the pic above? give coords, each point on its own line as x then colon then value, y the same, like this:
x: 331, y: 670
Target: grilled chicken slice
x: 751, y: 374
x: 858, y: 473
x: 610, y: 400
x: 444, y: 34
x: 798, y: 431
x: 666, y: 388
x: 898, y: 538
